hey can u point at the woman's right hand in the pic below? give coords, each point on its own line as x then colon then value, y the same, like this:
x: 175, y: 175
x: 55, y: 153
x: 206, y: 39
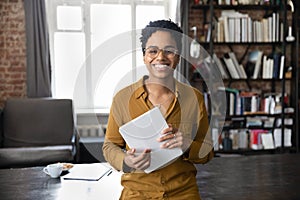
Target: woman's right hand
x: 139, y: 161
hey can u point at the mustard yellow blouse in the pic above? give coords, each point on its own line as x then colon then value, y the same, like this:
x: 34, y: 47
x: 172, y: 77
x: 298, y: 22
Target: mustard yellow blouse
x: 188, y: 114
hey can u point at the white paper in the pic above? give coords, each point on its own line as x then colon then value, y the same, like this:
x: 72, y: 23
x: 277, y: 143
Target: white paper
x: 89, y: 172
x: 142, y: 133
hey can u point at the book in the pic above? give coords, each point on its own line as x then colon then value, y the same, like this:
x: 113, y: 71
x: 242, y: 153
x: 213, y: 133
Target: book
x: 230, y: 66
x: 267, y: 141
x: 233, y: 101
x: 287, y: 137
x: 234, y: 28
x: 255, y: 138
x: 268, y: 67
x: 249, y: 102
x: 243, y: 139
x: 142, y: 133
x: 220, y: 67
x: 239, y: 68
x: 220, y: 33
x: 226, y: 28
x: 276, y: 67
x: 254, y: 64
x: 281, y: 69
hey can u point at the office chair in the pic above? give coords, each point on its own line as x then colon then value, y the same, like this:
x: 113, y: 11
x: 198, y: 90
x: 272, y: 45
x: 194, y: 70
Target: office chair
x: 37, y: 131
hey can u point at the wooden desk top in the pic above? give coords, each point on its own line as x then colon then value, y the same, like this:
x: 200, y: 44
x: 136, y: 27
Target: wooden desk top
x: 27, y: 183
x: 261, y: 177
x: 34, y: 184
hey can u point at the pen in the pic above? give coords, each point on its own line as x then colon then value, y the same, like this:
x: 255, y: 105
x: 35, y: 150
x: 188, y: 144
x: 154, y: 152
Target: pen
x: 109, y: 173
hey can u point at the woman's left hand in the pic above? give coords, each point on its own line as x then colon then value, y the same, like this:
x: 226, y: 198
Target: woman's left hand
x: 171, y: 138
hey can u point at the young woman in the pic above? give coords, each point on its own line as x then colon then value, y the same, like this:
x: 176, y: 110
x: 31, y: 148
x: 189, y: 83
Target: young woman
x: 184, y: 110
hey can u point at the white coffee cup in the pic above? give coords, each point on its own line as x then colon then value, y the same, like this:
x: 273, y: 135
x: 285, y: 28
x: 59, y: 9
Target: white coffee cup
x: 53, y: 170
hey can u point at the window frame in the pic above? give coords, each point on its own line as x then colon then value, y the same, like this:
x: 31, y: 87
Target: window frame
x: 86, y: 29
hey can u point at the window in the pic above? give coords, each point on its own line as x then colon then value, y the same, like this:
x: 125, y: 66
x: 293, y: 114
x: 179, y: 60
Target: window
x: 95, y: 44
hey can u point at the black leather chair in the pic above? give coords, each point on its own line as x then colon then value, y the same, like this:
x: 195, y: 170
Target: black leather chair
x: 37, y: 131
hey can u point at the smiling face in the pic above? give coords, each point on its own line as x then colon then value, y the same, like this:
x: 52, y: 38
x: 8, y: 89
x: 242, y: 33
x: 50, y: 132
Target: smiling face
x: 161, y: 56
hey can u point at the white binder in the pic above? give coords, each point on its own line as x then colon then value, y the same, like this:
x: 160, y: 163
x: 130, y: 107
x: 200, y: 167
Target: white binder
x: 143, y: 131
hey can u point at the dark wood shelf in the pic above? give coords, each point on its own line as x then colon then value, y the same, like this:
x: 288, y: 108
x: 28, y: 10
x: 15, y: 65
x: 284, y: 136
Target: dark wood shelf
x: 250, y: 128
x: 248, y: 151
x: 242, y: 117
x: 238, y: 7
x: 253, y: 115
x: 258, y: 79
x: 243, y: 43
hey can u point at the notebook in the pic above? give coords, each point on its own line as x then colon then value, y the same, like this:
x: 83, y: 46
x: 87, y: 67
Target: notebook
x: 143, y: 131
x: 88, y: 172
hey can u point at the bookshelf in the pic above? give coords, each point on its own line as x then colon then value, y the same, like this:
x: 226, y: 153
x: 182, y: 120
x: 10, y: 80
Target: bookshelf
x: 256, y: 62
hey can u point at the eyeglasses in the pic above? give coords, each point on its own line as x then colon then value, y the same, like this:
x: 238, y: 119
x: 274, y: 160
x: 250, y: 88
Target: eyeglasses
x: 153, y: 52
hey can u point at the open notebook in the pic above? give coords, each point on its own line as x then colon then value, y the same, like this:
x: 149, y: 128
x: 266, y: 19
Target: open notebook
x: 142, y: 132
x: 88, y: 172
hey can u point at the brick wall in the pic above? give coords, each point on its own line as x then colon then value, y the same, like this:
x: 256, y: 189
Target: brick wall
x: 12, y: 50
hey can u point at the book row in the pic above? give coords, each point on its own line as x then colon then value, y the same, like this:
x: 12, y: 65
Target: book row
x: 234, y: 26
x: 247, y: 2
x: 255, y: 139
x: 258, y: 65
x: 243, y: 103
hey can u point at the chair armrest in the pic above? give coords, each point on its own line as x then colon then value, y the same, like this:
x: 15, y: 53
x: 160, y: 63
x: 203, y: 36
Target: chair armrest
x: 35, y: 156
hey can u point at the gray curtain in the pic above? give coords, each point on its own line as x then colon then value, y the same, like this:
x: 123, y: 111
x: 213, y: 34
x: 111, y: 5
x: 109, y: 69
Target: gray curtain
x: 184, y: 9
x: 37, y: 49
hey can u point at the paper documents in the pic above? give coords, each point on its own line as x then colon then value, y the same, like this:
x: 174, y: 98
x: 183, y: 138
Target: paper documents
x: 142, y: 132
x: 88, y: 172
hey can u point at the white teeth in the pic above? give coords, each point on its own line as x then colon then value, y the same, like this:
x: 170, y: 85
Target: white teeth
x: 161, y: 66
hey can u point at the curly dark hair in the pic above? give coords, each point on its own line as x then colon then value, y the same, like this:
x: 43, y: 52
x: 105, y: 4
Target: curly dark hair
x: 162, y: 25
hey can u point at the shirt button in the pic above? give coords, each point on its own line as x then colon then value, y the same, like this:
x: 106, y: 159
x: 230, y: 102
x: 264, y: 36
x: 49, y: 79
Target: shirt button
x: 163, y: 181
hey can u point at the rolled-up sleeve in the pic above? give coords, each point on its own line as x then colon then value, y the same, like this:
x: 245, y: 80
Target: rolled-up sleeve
x: 113, y: 145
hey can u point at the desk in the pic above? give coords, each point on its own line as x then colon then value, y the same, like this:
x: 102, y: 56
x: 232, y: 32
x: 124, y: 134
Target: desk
x: 261, y: 177
x: 33, y: 184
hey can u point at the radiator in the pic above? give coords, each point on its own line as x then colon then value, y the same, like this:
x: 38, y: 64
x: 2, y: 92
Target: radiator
x: 90, y: 130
